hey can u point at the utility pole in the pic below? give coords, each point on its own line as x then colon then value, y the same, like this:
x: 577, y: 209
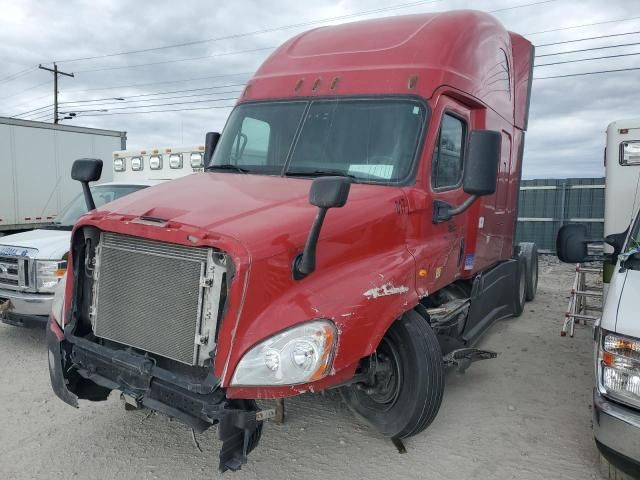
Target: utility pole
x: 55, y: 72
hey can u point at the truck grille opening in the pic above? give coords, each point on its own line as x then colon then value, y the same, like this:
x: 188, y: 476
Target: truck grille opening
x: 14, y: 271
x: 153, y: 296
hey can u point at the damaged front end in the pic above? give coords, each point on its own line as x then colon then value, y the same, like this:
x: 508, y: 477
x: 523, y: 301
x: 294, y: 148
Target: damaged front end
x: 81, y: 369
x: 152, y: 340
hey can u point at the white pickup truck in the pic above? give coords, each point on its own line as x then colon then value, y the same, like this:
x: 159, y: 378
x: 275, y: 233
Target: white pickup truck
x: 32, y: 263
x: 616, y: 336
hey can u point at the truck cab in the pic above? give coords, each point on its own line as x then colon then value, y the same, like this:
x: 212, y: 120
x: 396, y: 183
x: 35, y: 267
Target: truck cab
x: 353, y: 228
x: 33, y: 262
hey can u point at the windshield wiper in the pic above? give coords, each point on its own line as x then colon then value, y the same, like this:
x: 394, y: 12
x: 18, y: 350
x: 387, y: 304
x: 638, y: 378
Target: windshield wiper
x: 227, y: 166
x: 57, y: 226
x: 319, y: 173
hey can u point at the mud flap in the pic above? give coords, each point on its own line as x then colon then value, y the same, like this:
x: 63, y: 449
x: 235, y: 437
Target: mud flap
x: 240, y: 433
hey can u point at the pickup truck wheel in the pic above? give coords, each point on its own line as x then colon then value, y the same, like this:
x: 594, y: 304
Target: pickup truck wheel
x: 521, y: 286
x: 405, y: 393
x: 530, y: 253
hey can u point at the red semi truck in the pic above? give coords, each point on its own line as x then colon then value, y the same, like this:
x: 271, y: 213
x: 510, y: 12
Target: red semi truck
x: 353, y: 229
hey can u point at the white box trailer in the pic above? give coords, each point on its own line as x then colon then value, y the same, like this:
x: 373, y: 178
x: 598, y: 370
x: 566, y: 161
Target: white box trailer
x: 35, y: 166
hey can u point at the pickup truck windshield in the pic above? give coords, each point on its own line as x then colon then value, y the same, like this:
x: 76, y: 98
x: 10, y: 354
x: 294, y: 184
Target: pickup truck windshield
x: 371, y: 140
x: 101, y: 195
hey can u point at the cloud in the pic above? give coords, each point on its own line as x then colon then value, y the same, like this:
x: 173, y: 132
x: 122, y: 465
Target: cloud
x: 568, y: 116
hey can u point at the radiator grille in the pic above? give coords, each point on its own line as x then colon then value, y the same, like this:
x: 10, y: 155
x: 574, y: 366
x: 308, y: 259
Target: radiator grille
x: 149, y: 295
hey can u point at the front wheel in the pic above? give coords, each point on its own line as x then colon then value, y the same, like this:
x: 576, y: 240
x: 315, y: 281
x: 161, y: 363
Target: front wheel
x: 406, y: 390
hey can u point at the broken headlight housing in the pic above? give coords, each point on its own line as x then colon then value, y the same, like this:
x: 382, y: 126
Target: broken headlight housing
x: 300, y: 354
x: 619, y: 367
x: 49, y: 273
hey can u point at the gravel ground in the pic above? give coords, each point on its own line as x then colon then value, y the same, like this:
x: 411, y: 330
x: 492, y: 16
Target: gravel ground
x: 524, y: 415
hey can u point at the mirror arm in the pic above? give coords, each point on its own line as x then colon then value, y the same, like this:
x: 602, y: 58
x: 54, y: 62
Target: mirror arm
x: 305, y: 263
x: 88, y: 197
x: 442, y: 211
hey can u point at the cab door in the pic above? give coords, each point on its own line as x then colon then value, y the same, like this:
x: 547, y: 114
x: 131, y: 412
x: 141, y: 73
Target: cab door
x: 447, y: 239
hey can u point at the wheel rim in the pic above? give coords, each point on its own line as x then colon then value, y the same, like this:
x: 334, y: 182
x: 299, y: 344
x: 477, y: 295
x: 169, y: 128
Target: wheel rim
x: 388, y: 377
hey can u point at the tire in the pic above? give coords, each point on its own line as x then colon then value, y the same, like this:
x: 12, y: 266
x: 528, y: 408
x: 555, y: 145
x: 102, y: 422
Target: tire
x: 529, y: 251
x: 521, y: 287
x: 611, y: 472
x: 409, y: 383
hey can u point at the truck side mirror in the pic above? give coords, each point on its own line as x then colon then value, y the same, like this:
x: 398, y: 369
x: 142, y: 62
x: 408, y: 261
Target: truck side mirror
x: 210, y: 142
x: 325, y: 193
x: 616, y: 240
x: 87, y: 170
x: 481, y: 169
x: 480, y: 173
x: 571, y: 243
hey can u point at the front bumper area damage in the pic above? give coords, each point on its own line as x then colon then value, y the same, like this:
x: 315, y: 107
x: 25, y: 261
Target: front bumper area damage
x: 81, y: 369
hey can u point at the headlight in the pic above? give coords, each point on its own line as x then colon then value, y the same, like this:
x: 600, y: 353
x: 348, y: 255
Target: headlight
x: 57, y: 308
x: 298, y: 355
x: 119, y: 164
x: 155, y: 162
x: 196, y: 160
x: 175, y: 160
x: 49, y: 273
x: 137, y: 163
x: 619, y: 370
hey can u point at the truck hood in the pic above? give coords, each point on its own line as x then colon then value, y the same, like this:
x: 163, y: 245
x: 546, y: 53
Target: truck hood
x: 267, y: 214
x: 628, y: 318
x: 43, y: 244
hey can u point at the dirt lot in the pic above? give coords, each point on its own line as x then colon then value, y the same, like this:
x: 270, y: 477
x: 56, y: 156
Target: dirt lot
x: 525, y: 415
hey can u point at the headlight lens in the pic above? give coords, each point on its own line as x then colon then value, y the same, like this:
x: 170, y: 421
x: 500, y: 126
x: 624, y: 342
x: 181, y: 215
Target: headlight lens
x: 49, y: 273
x: 136, y: 164
x: 175, y: 160
x: 196, y: 160
x: 155, y: 162
x: 620, y: 367
x: 298, y: 355
x: 57, y: 309
x: 119, y: 164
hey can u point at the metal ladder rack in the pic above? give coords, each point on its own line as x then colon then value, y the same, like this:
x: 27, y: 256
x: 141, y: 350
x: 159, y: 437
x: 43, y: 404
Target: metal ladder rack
x: 578, y: 309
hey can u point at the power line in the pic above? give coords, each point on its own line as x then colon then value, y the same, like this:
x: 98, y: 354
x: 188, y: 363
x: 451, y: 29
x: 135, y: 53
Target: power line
x: 588, y: 73
x: 159, y: 104
x: 588, y: 59
x: 588, y: 49
x: 26, y: 90
x: 157, y: 111
x: 159, y: 93
x: 286, y: 27
x: 19, y: 74
x: 155, y: 99
x: 121, y: 67
x: 585, y: 39
x: 255, y: 32
x: 225, y: 75
x: 582, y: 25
x: 34, y: 110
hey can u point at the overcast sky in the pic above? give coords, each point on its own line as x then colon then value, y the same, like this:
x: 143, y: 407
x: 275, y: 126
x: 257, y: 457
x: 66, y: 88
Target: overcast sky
x: 568, y: 115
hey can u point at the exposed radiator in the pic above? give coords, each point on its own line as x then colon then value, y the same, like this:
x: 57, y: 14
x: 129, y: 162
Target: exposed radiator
x: 153, y: 296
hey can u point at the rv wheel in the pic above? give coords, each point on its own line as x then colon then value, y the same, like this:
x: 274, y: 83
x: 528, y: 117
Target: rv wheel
x: 404, y: 395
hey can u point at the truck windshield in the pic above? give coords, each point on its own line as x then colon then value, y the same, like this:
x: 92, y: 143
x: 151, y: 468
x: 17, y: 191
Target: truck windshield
x: 101, y: 194
x: 371, y: 140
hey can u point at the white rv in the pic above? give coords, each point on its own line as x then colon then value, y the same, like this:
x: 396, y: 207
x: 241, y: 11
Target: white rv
x: 622, y: 171
x: 32, y: 263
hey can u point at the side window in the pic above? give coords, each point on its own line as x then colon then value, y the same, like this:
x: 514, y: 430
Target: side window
x: 251, y: 145
x: 448, y: 154
x: 630, y: 152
